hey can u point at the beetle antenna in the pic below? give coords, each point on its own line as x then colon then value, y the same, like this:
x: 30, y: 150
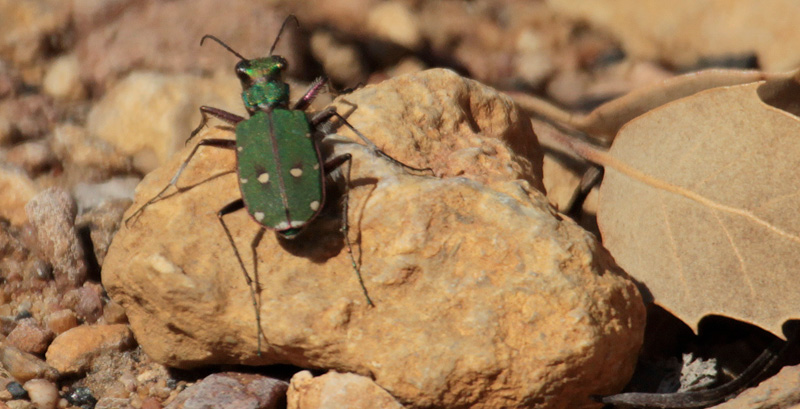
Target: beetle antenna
x: 222, y: 44
x: 289, y: 17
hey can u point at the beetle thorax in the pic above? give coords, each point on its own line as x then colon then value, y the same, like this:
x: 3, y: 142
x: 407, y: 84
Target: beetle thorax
x: 266, y: 96
x: 263, y: 87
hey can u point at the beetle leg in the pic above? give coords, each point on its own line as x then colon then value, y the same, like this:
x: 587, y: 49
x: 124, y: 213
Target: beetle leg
x: 312, y: 92
x: 330, y: 166
x: 231, y: 207
x: 327, y: 114
x: 216, y: 143
x: 257, y: 287
x: 205, y: 111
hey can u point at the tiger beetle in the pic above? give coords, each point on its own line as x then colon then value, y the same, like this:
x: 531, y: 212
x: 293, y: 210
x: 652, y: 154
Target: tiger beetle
x: 279, y: 166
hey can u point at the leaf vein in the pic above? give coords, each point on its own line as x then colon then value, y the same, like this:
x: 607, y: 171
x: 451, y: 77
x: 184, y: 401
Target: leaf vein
x: 735, y: 248
x: 674, y: 247
x: 608, y: 161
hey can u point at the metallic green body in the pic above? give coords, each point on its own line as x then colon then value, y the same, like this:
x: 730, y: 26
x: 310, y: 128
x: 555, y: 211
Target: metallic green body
x: 265, y: 94
x: 279, y: 169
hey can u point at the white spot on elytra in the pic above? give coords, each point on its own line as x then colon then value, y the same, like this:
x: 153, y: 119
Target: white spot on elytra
x: 284, y: 225
x: 242, y: 180
x: 259, y: 216
x: 240, y: 149
x: 264, y: 177
x: 316, y: 166
x: 308, y: 135
x: 314, y: 205
x: 296, y: 172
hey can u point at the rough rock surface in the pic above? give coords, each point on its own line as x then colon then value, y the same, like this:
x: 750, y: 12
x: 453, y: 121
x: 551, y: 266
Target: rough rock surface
x: 337, y: 390
x: 484, y: 296
x: 457, y: 126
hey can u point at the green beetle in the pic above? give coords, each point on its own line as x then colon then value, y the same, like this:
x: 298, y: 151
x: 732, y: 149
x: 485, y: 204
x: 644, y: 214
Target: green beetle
x: 280, y: 168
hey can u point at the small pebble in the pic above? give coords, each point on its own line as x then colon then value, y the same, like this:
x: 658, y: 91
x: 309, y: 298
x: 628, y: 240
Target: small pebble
x: 356, y: 391
x: 90, y: 305
x: 112, y: 403
x: 74, y: 351
x: 16, y: 390
x: 129, y: 381
x: 113, y: 313
x: 6, y: 130
x: 43, y: 393
x: 29, y: 337
x: 20, y: 404
x: 44, y: 270
x: 151, y: 403
x: 18, y: 188
x: 7, y: 324
x: 62, y: 79
x: 81, y: 396
x: 108, y: 202
x: 116, y: 390
x: 24, y: 366
x: 33, y: 115
x: 52, y: 214
x: 395, y: 22
x: 342, y: 61
x: 4, y: 393
x: 61, y: 321
x: 248, y: 390
x: 77, y: 151
x: 34, y: 156
x: 24, y: 310
x: 136, y: 401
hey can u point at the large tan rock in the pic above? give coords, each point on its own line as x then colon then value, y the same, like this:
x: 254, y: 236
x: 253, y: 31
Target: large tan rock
x: 484, y: 296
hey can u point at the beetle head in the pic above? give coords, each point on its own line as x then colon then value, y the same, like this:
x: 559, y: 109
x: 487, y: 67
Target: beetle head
x: 260, y: 70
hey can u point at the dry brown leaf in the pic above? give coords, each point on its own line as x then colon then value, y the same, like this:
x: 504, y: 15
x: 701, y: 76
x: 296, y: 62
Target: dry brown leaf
x: 561, y: 182
x: 700, y: 203
x: 683, y: 31
x: 606, y: 120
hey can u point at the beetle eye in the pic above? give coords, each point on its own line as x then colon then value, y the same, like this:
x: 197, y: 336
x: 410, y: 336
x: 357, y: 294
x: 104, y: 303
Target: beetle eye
x: 280, y: 64
x: 243, y: 71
